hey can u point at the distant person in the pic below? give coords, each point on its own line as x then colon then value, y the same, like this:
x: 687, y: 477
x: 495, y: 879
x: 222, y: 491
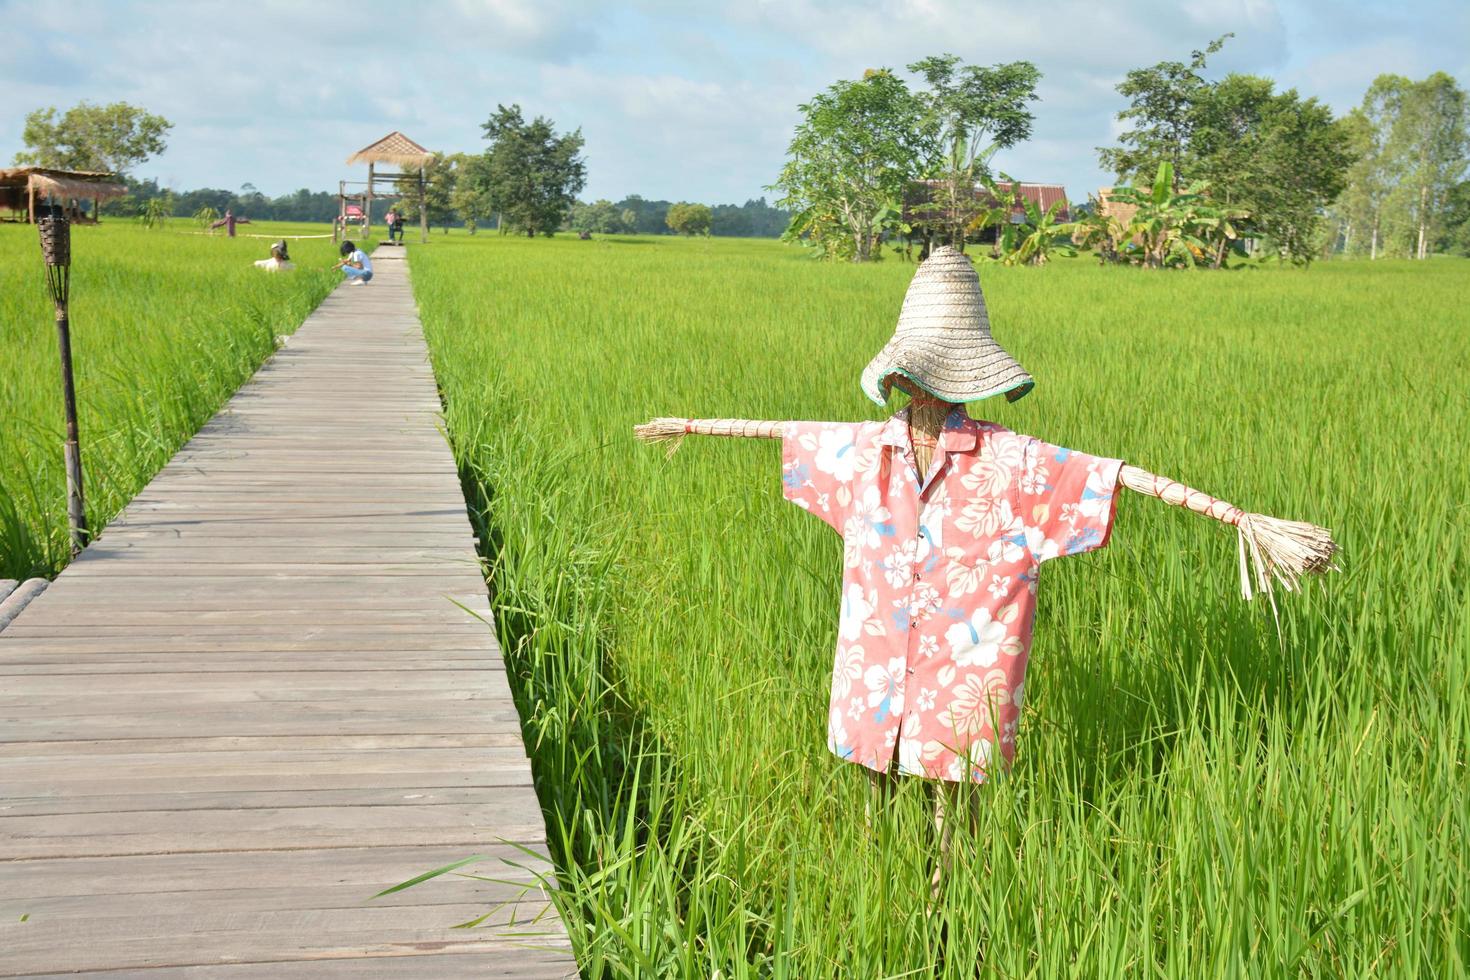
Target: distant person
x: 228, y: 222
x: 279, y: 261
x: 355, y: 265
x: 395, y: 225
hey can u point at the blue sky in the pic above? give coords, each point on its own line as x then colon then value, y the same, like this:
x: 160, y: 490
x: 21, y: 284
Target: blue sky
x: 686, y: 100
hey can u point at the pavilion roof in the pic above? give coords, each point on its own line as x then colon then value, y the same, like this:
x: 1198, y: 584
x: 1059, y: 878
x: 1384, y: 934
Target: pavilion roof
x: 65, y: 183
x: 395, y: 148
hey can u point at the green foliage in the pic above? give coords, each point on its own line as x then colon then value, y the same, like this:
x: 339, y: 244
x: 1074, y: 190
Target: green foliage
x: 854, y: 159
x: 164, y: 326
x: 472, y: 197
x: 1455, y: 239
x: 689, y: 219
x: 1413, y: 141
x: 110, y: 138
x: 533, y: 175
x: 1281, y: 158
x: 1192, y: 796
x: 601, y: 217
x: 1164, y: 101
x: 1037, y: 237
x: 1278, y: 157
x: 441, y: 176
x: 850, y: 159
x: 970, y: 113
x: 1167, y: 228
x: 204, y: 217
x: 156, y: 211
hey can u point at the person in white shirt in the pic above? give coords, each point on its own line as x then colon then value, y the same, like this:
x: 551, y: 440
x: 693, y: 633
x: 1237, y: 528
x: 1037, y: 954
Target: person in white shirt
x: 279, y: 261
x: 355, y: 265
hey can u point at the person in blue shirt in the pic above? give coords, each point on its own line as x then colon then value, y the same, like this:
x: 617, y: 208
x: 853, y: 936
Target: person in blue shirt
x: 355, y: 265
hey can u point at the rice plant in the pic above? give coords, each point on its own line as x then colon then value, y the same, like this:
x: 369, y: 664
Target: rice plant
x: 1195, y: 795
x: 165, y: 326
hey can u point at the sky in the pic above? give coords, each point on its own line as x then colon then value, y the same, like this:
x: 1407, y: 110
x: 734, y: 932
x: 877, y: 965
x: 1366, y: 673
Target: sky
x: 677, y: 100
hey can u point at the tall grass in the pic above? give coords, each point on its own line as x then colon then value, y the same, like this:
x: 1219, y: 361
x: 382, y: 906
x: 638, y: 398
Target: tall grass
x: 1194, y: 796
x: 165, y: 326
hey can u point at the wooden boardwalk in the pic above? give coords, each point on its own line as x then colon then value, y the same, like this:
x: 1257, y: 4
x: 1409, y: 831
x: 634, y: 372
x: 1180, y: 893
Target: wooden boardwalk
x: 254, y: 702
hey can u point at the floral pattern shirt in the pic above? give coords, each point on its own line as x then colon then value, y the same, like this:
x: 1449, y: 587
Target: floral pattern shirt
x: 939, y: 579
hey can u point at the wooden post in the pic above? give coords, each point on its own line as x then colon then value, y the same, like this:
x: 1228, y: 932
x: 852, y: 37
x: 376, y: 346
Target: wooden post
x: 367, y: 207
x: 30, y: 201
x: 55, y: 232
x: 423, y: 207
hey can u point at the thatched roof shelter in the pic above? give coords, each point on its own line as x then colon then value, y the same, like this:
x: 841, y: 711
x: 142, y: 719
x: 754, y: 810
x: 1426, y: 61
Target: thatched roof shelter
x: 21, y: 187
x: 395, y: 148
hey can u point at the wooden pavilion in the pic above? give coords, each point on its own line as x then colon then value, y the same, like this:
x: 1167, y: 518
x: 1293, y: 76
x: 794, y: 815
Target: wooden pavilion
x: 21, y: 188
x: 395, y: 150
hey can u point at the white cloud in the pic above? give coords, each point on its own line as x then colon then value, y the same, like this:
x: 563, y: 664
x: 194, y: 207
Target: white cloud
x: 676, y: 99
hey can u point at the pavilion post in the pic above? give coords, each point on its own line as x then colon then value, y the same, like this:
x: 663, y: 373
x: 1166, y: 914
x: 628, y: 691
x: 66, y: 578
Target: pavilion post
x: 367, y: 207
x: 423, y: 207
x: 55, y: 234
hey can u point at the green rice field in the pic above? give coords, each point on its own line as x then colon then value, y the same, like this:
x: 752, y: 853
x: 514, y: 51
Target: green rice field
x: 166, y: 324
x: 1195, y: 795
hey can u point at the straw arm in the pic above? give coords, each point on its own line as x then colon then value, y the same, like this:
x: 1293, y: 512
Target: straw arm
x: 1272, y: 550
x: 666, y: 429
x: 1173, y: 492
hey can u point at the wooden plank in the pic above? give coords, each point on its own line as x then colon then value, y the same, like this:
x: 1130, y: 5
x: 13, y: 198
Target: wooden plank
x: 270, y: 690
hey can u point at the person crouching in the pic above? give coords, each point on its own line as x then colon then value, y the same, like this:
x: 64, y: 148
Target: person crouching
x: 355, y: 265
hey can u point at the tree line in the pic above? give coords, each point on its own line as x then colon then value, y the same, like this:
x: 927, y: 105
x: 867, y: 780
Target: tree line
x: 1206, y: 169
x: 525, y: 182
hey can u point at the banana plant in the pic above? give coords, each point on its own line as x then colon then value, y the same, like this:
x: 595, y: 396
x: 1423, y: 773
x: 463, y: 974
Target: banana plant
x: 1033, y: 240
x: 1170, y: 228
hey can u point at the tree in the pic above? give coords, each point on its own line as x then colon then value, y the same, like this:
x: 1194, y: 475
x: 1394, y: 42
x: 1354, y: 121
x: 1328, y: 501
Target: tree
x: 1455, y: 238
x: 1282, y: 158
x: 689, y: 219
x: 534, y: 175
x: 969, y: 113
x: 850, y: 160
x: 601, y: 217
x: 1433, y: 133
x: 111, y: 138
x: 440, y: 176
x: 1169, y: 228
x: 472, y: 198
x: 1163, y: 103
x: 1414, y: 147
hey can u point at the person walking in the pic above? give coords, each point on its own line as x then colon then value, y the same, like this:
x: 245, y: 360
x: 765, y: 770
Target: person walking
x: 395, y: 225
x: 355, y: 265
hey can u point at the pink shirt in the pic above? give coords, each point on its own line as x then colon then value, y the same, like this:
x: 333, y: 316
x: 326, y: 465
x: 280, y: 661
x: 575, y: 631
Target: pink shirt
x: 939, y: 579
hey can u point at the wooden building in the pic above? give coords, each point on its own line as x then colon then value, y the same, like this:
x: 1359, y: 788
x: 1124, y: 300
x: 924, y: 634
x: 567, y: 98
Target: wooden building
x: 22, y: 188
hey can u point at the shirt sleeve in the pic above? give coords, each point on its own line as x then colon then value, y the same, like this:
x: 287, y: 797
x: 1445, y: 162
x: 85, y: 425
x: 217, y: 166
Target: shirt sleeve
x: 818, y: 463
x: 1067, y: 500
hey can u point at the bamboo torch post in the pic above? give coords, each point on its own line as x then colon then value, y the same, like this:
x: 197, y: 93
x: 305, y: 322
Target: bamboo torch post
x: 55, y: 232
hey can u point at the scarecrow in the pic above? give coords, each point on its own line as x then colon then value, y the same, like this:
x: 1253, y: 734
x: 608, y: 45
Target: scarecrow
x: 945, y: 522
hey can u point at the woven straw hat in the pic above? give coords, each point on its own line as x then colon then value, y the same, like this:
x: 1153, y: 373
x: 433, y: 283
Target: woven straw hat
x: 943, y: 343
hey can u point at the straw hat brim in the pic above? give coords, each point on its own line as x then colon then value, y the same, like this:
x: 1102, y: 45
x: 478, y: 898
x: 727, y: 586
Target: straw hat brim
x: 975, y: 369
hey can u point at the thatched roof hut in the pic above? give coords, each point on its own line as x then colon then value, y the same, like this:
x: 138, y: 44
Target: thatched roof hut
x: 22, y: 187
x: 396, y: 149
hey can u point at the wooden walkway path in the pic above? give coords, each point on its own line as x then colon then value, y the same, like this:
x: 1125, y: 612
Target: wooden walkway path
x: 254, y: 702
